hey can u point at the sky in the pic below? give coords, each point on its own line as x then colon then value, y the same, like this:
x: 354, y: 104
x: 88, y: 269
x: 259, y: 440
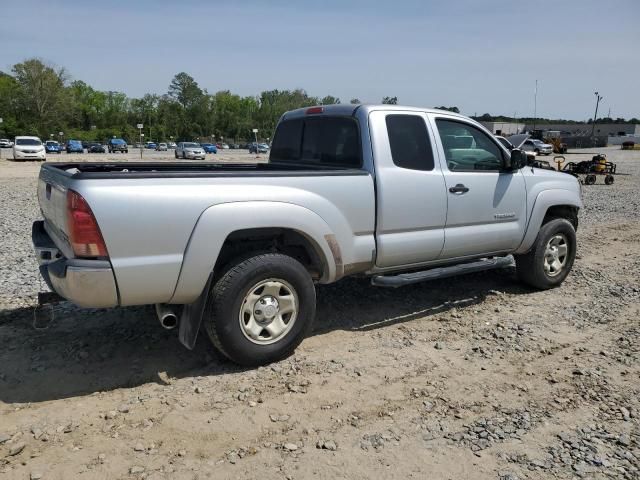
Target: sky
x: 483, y: 56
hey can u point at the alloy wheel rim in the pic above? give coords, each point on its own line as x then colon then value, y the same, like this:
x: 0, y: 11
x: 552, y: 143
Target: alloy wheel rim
x: 555, y: 255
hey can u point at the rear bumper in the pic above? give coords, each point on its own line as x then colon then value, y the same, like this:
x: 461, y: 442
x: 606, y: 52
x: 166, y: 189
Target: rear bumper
x: 87, y: 283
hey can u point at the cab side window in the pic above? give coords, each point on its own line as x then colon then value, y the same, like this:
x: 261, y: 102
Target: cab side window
x: 410, y: 143
x: 468, y: 148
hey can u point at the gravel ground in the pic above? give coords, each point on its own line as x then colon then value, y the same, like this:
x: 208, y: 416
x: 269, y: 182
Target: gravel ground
x: 472, y: 377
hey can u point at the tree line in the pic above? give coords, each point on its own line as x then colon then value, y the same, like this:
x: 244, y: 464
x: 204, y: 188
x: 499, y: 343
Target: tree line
x: 37, y: 98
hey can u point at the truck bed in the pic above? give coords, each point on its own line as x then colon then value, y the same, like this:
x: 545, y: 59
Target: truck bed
x: 101, y: 170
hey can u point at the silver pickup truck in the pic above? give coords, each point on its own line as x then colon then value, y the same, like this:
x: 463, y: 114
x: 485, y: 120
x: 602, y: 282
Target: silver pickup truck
x: 398, y: 194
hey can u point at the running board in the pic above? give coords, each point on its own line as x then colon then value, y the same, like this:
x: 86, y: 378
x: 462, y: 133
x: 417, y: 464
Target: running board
x: 403, y: 279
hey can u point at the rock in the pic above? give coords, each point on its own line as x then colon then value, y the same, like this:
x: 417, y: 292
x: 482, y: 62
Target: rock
x: 292, y: 447
x: 110, y: 415
x: 438, y: 346
x: 624, y: 440
x: 182, y: 453
x: 101, y: 457
x: 327, y: 445
x: 16, y: 449
x: 139, y: 447
x: 4, y: 438
x: 198, y: 389
x: 625, y: 414
x: 35, y: 476
x: 123, y: 408
x: 136, y: 469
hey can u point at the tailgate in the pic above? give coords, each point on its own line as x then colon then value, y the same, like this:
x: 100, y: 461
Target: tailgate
x: 53, y: 184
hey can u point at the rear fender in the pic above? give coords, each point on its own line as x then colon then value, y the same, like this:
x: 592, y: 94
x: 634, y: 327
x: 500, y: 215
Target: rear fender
x: 217, y: 222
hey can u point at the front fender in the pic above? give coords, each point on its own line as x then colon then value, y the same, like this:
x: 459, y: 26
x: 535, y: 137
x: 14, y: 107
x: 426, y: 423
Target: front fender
x: 217, y: 222
x: 542, y: 203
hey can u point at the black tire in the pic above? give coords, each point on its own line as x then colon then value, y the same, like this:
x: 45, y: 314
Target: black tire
x: 537, y: 151
x: 222, y: 313
x: 608, y: 180
x: 590, y: 179
x: 530, y: 266
x: 175, y: 154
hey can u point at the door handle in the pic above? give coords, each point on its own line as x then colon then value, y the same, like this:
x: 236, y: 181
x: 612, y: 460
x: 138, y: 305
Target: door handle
x: 459, y: 188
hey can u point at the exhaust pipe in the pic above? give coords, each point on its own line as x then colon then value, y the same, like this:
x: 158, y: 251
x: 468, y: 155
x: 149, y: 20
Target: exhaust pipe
x: 167, y: 316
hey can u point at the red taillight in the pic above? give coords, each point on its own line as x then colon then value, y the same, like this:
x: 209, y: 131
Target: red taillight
x: 84, y: 233
x: 314, y: 110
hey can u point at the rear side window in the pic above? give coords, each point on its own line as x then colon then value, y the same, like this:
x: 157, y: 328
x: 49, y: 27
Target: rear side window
x: 331, y: 141
x: 409, y: 141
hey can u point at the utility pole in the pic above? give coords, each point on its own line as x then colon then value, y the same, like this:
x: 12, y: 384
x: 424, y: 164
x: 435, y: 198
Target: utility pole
x: 595, y: 115
x: 535, y: 105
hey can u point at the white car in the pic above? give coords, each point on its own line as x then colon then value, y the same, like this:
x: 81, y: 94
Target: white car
x: 5, y: 143
x: 162, y: 147
x: 28, y: 148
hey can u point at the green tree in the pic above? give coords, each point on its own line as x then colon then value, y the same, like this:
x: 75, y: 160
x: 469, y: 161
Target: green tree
x: 185, y: 90
x: 390, y: 100
x: 355, y: 101
x: 449, y: 109
x: 41, y: 93
x: 329, y: 100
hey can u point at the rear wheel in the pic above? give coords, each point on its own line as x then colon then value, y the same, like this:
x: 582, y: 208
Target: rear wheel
x: 260, y: 309
x: 551, y: 258
x: 608, y: 180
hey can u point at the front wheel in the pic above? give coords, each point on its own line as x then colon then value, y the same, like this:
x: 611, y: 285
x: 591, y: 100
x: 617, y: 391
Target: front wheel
x: 260, y: 309
x: 551, y: 258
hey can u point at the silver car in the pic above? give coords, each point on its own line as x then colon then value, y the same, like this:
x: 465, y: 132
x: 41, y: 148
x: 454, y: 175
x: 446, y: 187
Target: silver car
x: 189, y: 150
x: 537, y: 146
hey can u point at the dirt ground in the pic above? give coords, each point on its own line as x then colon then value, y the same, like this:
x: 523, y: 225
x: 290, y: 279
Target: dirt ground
x: 474, y: 377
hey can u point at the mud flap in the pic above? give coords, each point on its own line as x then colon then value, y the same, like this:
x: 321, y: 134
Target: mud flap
x: 191, y: 318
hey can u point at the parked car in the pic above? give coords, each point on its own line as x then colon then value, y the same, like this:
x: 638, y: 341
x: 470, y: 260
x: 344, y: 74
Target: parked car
x: 239, y: 249
x: 171, y: 145
x: 209, y: 148
x: 5, y: 143
x: 234, y: 146
x: 162, y: 147
x: 225, y: 146
x: 537, y: 146
x: 74, y: 146
x: 86, y: 144
x: 189, y: 150
x: 28, y: 148
x: 506, y: 143
x: 96, y: 147
x: 117, y: 145
x: 151, y: 145
x: 51, y: 146
x: 258, y: 148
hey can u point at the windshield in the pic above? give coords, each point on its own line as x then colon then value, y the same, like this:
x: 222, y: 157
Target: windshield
x: 51, y: 142
x: 117, y: 141
x: 191, y: 145
x: 74, y: 142
x: 28, y: 141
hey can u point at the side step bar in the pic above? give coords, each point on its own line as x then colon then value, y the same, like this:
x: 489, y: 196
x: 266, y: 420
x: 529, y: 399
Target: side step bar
x: 403, y: 279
